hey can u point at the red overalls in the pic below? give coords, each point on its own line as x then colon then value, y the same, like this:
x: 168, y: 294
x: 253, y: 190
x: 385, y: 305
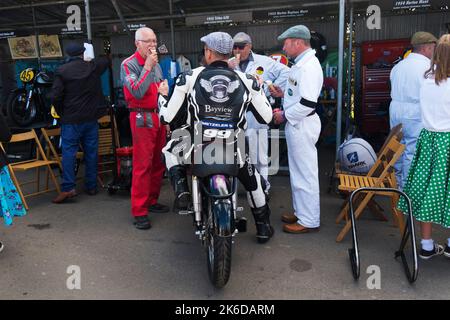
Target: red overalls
x: 141, y: 93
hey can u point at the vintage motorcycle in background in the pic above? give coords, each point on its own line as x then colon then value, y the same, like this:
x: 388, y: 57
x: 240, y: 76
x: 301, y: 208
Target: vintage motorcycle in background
x: 29, y: 104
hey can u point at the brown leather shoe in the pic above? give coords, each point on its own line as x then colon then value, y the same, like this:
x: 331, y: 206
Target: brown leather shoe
x: 298, y: 228
x: 289, y: 218
x: 63, y: 196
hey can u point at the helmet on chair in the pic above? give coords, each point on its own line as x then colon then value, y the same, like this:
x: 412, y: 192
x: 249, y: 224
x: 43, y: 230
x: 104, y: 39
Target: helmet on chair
x: 356, y: 155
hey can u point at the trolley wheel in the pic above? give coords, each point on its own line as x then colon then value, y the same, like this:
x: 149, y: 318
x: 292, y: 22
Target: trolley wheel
x: 111, y: 190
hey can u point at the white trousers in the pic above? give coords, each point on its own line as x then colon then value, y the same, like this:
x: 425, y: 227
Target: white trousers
x: 258, y: 140
x: 304, y: 170
x: 409, y: 116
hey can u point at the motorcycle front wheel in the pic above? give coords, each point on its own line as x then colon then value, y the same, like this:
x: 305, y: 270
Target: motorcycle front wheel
x: 219, y: 259
x: 17, y: 111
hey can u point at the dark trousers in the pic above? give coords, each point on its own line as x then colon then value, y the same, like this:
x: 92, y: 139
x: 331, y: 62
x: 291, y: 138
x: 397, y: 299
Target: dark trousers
x: 72, y: 136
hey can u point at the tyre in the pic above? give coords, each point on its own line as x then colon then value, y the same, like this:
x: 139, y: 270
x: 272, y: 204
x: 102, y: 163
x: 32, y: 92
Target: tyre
x: 219, y: 259
x: 16, y: 107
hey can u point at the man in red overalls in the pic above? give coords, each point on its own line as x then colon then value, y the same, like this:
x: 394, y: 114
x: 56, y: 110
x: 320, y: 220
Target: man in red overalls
x: 141, y: 76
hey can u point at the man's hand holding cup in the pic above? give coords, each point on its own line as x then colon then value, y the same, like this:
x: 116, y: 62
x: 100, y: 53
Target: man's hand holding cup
x: 233, y: 62
x: 151, y: 60
x: 276, y: 91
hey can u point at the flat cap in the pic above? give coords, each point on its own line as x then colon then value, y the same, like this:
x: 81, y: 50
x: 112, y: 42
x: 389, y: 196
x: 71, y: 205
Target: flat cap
x: 300, y: 32
x: 220, y: 42
x: 422, y: 37
x: 242, y: 37
x: 74, y: 49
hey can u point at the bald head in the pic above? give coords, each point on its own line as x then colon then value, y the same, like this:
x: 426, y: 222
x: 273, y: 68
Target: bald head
x: 145, y: 40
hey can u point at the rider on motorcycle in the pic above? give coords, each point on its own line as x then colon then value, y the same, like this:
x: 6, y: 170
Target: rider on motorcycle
x: 209, y: 99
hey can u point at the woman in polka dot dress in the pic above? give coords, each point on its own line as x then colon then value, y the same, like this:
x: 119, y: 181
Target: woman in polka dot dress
x: 428, y: 183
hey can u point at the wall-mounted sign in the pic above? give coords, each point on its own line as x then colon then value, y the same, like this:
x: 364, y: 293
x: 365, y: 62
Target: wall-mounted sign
x: 279, y: 14
x: 8, y: 34
x: 410, y: 4
x: 219, y: 19
x: 134, y: 26
x: 65, y: 31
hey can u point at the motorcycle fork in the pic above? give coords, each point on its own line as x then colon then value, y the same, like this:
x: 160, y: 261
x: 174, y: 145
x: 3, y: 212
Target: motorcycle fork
x: 29, y: 97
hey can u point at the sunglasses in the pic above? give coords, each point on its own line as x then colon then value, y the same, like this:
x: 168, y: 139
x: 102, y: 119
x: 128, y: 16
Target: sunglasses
x: 239, y: 46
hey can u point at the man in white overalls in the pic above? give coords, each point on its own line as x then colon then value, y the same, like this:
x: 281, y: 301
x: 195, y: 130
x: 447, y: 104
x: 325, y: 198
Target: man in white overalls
x: 302, y: 129
x: 406, y: 78
x: 245, y: 60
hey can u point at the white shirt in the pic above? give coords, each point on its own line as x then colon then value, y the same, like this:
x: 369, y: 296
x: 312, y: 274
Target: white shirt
x: 435, y: 105
x: 406, y: 78
x: 271, y: 70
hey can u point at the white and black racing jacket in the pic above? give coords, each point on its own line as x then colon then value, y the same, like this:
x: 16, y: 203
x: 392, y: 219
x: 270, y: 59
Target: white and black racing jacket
x: 215, y: 97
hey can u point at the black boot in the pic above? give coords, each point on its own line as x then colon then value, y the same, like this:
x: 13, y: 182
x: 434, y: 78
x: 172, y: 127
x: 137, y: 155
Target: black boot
x: 178, y: 178
x: 264, y: 231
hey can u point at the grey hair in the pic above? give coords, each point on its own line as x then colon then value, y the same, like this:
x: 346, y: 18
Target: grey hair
x: 420, y: 47
x: 138, y: 33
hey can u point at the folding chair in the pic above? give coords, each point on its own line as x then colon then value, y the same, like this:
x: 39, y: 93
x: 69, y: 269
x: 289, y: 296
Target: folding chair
x: 397, y: 134
x: 52, y: 138
x: 106, y: 150
x: 381, y: 175
x: 39, y: 162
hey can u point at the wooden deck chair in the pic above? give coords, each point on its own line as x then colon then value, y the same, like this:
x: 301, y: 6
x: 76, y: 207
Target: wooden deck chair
x: 52, y: 138
x: 395, y: 133
x: 106, y: 159
x: 381, y: 175
x: 40, y: 161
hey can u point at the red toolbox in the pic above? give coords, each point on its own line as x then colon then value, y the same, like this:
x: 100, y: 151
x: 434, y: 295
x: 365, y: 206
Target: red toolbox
x: 377, y: 59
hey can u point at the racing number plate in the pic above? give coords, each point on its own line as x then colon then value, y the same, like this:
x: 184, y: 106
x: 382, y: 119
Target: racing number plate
x: 26, y: 75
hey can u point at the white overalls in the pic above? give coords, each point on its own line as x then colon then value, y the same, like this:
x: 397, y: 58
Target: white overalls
x: 302, y: 132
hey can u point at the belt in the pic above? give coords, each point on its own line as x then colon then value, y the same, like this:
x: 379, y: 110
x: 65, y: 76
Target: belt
x: 154, y: 110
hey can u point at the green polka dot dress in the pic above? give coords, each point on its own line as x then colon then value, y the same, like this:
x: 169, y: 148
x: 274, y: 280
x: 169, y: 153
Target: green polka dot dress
x: 429, y: 178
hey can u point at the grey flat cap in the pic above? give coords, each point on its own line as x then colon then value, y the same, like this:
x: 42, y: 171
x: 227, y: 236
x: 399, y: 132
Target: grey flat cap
x: 300, y: 32
x: 220, y: 42
x: 422, y: 37
x: 242, y: 37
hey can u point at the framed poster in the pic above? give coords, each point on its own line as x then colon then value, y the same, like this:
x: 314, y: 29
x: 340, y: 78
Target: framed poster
x: 49, y: 46
x: 23, y: 47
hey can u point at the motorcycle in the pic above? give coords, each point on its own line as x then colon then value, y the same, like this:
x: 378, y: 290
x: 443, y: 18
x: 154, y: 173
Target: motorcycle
x: 26, y: 105
x: 214, y: 207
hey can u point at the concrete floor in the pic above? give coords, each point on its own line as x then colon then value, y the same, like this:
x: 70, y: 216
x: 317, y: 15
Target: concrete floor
x: 118, y: 261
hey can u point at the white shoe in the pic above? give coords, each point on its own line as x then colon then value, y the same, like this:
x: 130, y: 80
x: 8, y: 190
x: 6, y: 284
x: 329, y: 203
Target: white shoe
x: 447, y: 251
x: 1, y: 246
x: 437, y: 251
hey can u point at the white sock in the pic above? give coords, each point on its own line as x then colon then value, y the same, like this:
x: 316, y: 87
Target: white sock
x: 448, y: 242
x: 427, y: 244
